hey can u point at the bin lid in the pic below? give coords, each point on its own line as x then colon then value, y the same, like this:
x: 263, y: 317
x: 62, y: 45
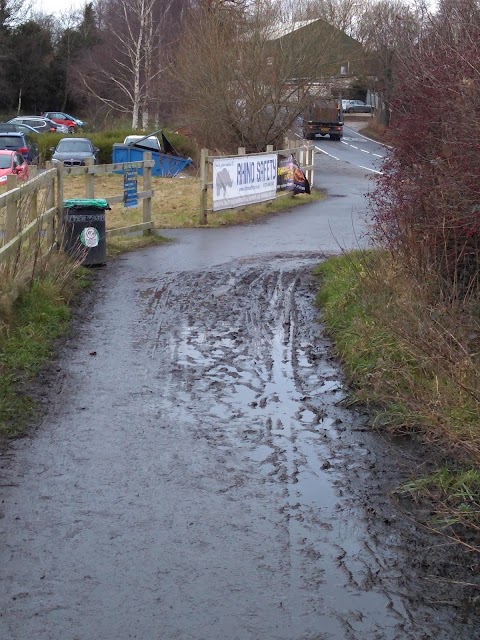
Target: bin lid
x: 86, y: 203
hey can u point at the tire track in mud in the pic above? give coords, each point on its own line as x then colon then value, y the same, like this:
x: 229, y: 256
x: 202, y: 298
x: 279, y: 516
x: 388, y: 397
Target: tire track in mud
x: 217, y: 488
x: 257, y: 385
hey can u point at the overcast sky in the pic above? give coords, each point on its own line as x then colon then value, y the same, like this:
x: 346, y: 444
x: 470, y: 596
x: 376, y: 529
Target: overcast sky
x: 58, y: 6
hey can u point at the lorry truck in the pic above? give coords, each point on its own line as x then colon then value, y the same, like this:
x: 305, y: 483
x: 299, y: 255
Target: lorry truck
x: 324, y: 118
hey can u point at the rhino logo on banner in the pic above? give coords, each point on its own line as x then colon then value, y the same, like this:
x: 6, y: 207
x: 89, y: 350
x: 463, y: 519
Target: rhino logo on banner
x: 223, y: 180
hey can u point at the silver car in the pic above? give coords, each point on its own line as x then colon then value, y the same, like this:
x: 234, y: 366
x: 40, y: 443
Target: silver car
x: 40, y: 124
x: 356, y: 106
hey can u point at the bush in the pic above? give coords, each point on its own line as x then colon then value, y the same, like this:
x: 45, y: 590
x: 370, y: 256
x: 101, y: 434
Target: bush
x: 104, y: 141
x: 427, y: 202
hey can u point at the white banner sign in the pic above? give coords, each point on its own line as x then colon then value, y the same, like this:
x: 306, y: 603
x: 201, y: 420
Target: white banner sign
x: 244, y: 180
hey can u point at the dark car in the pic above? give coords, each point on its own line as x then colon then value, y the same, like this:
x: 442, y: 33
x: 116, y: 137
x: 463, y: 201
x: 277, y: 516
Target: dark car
x: 21, y: 142
x: 74, y: 151
x: 41, y: 125
x: 356, y: 106
x: 5, y: 127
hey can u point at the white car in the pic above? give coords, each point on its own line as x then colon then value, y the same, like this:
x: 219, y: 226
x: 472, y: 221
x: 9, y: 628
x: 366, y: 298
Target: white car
x: 145, y: 142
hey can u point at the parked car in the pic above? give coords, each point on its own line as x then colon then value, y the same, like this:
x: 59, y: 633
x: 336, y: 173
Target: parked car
x: 78, y: 122
x: 144, y: 142
x: 12, y: 163
x: 63, y: 118
x: 41, y: 125
x: 23, y: 143
x: 356, y: 106
x: 74, y: 151
x: 5, y: 127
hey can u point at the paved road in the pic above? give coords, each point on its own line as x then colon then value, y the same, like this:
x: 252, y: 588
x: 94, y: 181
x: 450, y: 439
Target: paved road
x: 196, y: 476
x: 355, y: 149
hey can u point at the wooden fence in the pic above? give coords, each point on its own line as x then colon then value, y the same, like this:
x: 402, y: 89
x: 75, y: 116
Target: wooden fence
x: 304, y: 154
x: 37, y: 205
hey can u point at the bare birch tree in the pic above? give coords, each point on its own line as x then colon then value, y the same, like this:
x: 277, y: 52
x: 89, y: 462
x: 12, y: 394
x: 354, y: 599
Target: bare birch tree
x: 122, y: 71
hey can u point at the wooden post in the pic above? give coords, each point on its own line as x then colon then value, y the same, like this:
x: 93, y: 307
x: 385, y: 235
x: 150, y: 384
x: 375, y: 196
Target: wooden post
x: 269, y: 148
x: 33, y: 195
x: 311, y: 162
x: 11, y: 212
x: 50, y: 203
x: 242, y: 151
x: 203, y: 185
x: 89, y: 180
x: 147, y: 186
x: 59, y: 216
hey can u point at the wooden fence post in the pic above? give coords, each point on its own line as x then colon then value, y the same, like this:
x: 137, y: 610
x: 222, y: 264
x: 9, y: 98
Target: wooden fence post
x: 311, y: 163
x: 59, y: 216
x: 147, y: 186
x: 203, y: 185
x: 34, y: 195
x: 299, y: 156
x: 50, y: 203
x: 89, y: 180
x: 11, y: 211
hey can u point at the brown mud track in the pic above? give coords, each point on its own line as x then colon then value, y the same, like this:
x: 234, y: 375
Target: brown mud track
x: 197, y: 477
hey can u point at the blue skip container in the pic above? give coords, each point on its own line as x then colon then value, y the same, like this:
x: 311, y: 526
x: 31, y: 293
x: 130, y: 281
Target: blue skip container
x: 166, y: 165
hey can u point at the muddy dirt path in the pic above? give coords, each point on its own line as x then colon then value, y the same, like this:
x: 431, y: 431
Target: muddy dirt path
x: 196, y: 477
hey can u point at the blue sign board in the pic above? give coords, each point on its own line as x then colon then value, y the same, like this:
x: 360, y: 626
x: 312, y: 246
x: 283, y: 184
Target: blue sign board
x: 130, y: 187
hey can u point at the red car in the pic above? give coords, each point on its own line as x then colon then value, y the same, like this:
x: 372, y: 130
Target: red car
x: 62, y: 118
x: 12, y: 163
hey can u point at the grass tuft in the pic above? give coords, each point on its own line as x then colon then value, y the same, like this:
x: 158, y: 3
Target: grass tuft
x: 456, y: 494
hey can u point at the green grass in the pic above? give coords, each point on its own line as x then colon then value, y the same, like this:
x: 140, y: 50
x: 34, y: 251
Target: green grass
x: 410, y: 359
x: 460, y: 486
x: 456, y: 494
x: 360, y: 341
x: 415, y: 364
x: 176, y: 201
x: 38, y: 317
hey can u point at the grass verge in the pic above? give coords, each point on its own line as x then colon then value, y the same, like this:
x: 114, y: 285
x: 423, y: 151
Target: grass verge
x: 28, y: 329
x: 414, y: 362
x: 375, y: 131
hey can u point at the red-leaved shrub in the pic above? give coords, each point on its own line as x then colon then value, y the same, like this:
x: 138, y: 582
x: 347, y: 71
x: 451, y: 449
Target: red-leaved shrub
x: 427, y: 202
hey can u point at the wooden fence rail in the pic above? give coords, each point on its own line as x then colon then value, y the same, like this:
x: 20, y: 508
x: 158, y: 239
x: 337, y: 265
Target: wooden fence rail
x: 36, y: 206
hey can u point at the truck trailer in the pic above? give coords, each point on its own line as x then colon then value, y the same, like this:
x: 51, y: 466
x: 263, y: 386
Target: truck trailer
x: 324, y: 118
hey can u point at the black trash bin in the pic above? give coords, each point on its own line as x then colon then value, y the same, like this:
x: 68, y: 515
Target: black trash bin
x: 84, y: 230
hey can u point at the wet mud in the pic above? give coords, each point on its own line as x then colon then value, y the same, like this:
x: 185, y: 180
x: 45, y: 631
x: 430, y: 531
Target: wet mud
x: 197, y: 476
